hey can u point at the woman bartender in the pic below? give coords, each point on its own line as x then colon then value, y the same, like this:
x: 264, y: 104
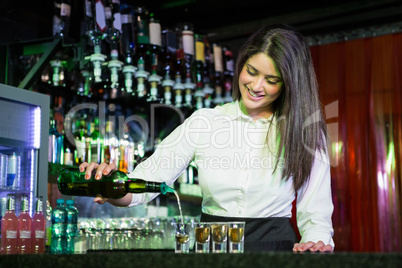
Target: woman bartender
x: 256, y: 153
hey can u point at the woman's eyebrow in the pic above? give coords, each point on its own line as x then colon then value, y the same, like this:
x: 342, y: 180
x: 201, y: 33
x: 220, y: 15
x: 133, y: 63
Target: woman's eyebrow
x: 267, y: 76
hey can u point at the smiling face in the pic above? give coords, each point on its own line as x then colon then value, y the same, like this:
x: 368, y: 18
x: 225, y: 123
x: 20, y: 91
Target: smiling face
x: 260, y: 85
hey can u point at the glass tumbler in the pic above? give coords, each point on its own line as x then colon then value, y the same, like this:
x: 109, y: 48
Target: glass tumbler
x: 202, y: 237
x: 236, y: 237
x: 182, y: 237
x: 219, y: 233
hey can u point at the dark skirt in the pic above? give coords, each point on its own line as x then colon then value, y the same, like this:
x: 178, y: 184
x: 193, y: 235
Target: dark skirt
x: 262, y: 234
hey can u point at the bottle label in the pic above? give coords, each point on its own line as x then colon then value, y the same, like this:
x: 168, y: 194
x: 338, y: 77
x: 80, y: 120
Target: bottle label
x: 88, y: 8
x: 188, y: 42
x: 155, y: 36
x: 39, y: 234
x: 117, y: 22
x: 200, y: 51
x: 68, y: 158
x: 25, y: 234
x: 218, y: 59
x: 100, y: 15
x: 65, y: 10
x: 12, y: 165
x: 11, y: 234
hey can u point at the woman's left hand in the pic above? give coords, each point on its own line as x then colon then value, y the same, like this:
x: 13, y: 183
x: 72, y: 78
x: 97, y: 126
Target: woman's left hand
x: 313, y: 247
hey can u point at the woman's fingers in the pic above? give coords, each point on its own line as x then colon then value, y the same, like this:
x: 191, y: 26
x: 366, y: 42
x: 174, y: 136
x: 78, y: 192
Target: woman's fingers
x: 100, y: 200
x: 83, y: 166
x: 109, y: 168
x: 90, y: 169
x: 311, y: 246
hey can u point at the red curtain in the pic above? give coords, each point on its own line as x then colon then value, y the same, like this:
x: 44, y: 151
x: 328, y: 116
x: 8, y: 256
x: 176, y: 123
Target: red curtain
x: 360, y: 88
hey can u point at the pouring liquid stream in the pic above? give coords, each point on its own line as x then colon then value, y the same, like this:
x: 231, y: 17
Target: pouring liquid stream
x: 181, y: 213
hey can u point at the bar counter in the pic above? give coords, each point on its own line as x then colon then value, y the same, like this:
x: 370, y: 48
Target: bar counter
x: 146, y: 259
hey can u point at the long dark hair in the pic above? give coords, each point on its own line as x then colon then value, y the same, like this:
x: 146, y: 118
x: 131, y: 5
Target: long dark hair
x: 300, y: 122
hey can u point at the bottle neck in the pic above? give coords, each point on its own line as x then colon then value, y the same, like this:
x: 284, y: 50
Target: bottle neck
x: 39, y: 206
x: 141, y: 186
x: 24, y: 205
x: 10, y: 204
x: 152, y: 187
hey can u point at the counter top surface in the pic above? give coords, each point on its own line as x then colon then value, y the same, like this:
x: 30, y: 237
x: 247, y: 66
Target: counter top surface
x: 170, y: 259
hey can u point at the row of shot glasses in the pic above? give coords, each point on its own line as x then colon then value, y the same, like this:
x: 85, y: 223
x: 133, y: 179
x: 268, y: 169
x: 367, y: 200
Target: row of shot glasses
x: 215, y: 237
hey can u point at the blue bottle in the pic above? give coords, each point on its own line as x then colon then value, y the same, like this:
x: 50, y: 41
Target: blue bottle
x: 71, y: 225
x: 58, y: 241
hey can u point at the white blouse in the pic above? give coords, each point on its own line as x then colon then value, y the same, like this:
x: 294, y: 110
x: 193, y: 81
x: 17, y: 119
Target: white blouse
x: 235, y: 159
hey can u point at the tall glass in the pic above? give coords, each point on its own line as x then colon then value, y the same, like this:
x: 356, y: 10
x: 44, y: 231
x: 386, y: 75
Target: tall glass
x: 236, y: 237
x: 202, y: 237
x: 219, y: 232
x: 182, y: 237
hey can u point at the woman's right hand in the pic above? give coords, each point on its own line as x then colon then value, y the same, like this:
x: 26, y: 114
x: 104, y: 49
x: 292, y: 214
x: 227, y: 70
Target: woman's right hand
x: 101, y: 169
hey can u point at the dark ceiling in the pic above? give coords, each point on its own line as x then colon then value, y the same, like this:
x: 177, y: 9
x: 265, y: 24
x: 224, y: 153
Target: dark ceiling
x: 220, y: 19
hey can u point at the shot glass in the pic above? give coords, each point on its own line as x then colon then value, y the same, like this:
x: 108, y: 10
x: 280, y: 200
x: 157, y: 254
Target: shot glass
x: 219, y: 233
x: 202, y: 237
x: 236, y: 237
x: 182, y: 237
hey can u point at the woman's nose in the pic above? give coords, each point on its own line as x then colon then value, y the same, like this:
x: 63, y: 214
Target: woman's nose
x: 259, y: 84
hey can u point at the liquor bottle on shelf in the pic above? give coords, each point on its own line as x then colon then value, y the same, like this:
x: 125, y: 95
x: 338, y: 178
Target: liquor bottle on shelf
x: 38, y: 232
x: 179, y: 68
x: 82, y: 141
x: 68, y: 141
x: 111, y: 144
x: 199, y: 70
x: 9, y: 228
x: 115, y: 185
x: 142, y: 50
x: 218, y: 64
x: 65, y: 14
x: 97, y: 142
x: 187, y: 38
x: 56, y: 18
x: 48, y: 218
x: 88, y: 20
x: 142, y: 36
x: 179, y: 63
x: 208, y: 71
x: 112, y: 12
x: 168, y: 52
x: 96, y: 35
x: 56, y: 144
x: 71, y: 226
x: 58, y: 240
x: 187, y: 33
x: 24, y: 228
x: 126, y: 144
x: 228, y: 73
x: 155, y: 43
x: 113, y: 17
x: 127, y: 42
x: 13, y: 169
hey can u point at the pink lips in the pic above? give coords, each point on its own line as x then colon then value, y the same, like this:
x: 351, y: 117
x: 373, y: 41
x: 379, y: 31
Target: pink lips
x: 251, y: 97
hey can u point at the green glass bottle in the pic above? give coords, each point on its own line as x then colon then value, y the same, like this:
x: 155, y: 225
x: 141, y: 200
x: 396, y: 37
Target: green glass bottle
x: 115, y: 185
